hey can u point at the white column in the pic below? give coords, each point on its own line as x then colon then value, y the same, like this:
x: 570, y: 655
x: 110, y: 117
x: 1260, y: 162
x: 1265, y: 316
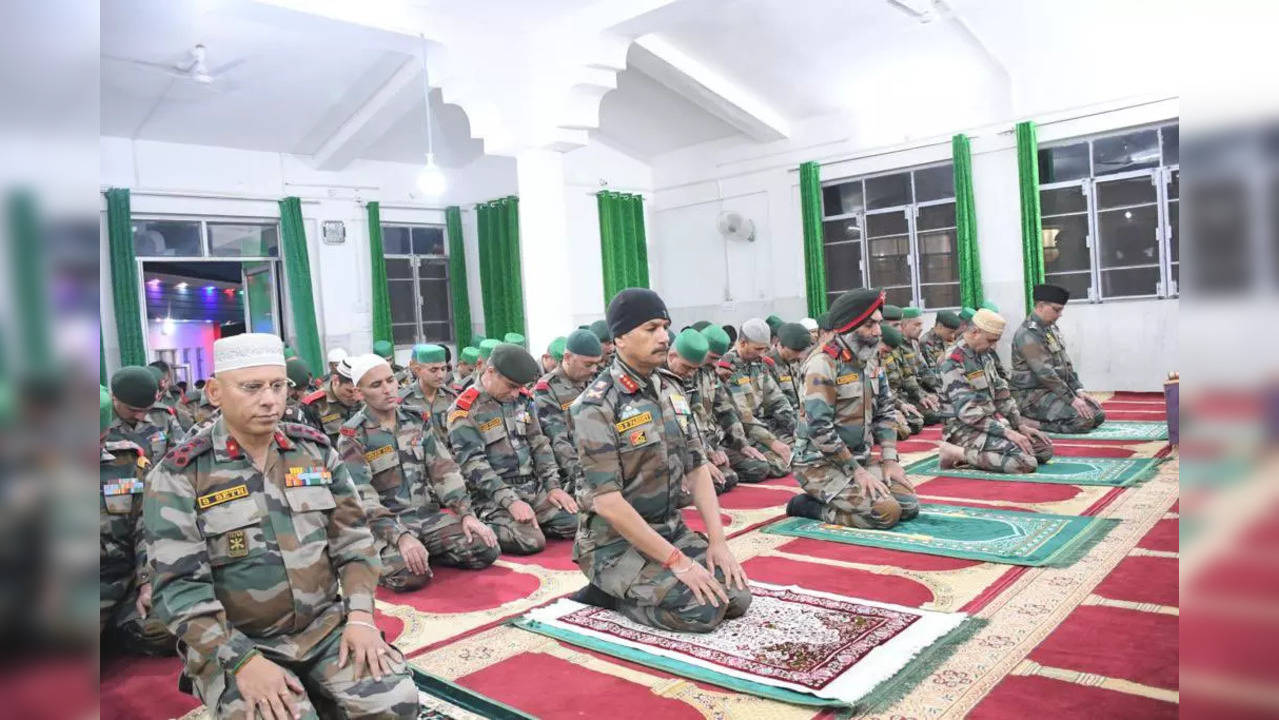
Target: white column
x: 545, y: 257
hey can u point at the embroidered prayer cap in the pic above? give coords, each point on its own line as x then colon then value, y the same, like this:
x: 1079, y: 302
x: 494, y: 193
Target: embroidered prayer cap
x: 383, y: 349
x: 487, y: 347
x: 716, y: 339
x: 756, y: 331
x: 948, y: 318
x: 247, y: 350
x: 852, y: 309
x: 1050, y: 294
x: 428, y: 353
x: 362, y: 364
x: 337, y: 355
x: 891, y: 336
x: 989, y: 321
x: 297, y: 371
x: 514, y: 363
x: 808, y: 323
x: 692, y: 346
x: 966, y: 314
x: 556, y: 348
x: 343, y: 367
x: 514, y: 339
x: 909, y: 312
x: 584, y: 342
x: 794, y: 336
x: 469, y: 355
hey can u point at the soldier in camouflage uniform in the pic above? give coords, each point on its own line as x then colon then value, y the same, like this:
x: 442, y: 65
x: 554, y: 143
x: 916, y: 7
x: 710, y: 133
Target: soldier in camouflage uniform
x: 935, y: 344
x: 466, y: 360
x: 983, y: 426
x: 912, y: 328
x: 554, y: 354
x: 430, y: 393
x: 299, y: 381
x: 385, y: 350
x: 1044, y: 382
x: 251, y: 526
x: 847, y: 407
x: 763, y: 409
x: 793, y: 342
x: 506, y: 459
x: 909, y: 421
x: 580, y: 359
x: 170, y: 396
x: 684, y: 360
x: 330, y: 408
x: 638, y: 446
x: 200, y: 407
x: 124, y: 578
x: 908, y: 386
x: 408, y: 479
x: 136, y: 415
x: 486, y: 348
x: 715, y: 409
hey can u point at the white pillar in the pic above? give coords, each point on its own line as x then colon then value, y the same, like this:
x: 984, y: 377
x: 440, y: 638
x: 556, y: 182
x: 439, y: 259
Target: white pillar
x: 545, y: 257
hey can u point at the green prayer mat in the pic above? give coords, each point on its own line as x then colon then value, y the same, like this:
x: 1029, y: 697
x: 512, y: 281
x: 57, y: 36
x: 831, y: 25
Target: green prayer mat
x: 999, y: 536
x: 1115, y: 472
x: 1140, y: 430
x: 443, y: 700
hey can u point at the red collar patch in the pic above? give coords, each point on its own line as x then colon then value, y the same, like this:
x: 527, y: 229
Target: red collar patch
x: 465, y: 400
x: 628, y: 383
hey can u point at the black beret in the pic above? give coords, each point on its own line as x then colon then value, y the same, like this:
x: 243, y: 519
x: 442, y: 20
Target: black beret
x: 853, y: 308
x: 514, y: 363
x: 1050, y: 294
x: 633, y: 307
x: 134, y: 386
x: 731, y: 332
x: 794, y: 336
x: 948, y: 318
x: 701, y: 325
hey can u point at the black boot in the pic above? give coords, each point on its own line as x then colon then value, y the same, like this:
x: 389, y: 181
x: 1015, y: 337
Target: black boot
x: 805, y: 506
x: 592, y: 595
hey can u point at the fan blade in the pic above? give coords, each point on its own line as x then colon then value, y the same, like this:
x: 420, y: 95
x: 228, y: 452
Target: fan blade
x: 143, y: 63
x: 226, y: 67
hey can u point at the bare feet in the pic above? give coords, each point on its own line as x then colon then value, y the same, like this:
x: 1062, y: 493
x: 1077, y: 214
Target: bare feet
x: 952, y: 456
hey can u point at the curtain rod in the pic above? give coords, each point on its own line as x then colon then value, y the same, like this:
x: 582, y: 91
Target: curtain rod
x: 402, y: 206
x: 209, y: 195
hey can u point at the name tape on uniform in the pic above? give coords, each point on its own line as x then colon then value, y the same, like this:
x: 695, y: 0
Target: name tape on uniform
x: 849, y: 378
x: 217, y: 498
x: 490, y: 424
x: 634, y: 422
x: 381, y: 452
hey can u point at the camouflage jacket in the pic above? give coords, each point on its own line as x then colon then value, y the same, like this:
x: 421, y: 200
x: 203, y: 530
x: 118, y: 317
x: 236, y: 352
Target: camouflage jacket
x: 925, y: 369
x: 1040, y: 360
x: 201, y: 410
x: 156, y: 435
x: 552, y: 396
x: 414, y: 398
x: 179, y: 409
x: 933, y: 347
x: 890, y: 364
x: 295, y: 412
x: 848, y: 406
x: 635, y: 435
x: 761, y: 405
x: 459, y: 380
x: 245, y: 559
x: 715, y: 412
x: 327, y: 412
x: 790, y: 377
x: 411, y: 476
x: 974, y: 393
x: 907, y: 386
x: 500, y: 447
x: 122, y: 544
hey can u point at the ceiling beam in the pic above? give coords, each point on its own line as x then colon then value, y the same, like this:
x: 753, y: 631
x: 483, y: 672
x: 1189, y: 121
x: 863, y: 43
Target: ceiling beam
x: 708, y: 89
x: 399, y: 95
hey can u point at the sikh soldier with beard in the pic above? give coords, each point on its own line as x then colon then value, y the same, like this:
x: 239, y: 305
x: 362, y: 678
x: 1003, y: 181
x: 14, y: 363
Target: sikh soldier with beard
x: 712, y: 403
x: 429, y: 392
x: 848, y: 407
x: 556, y: 391
x: 329, y: 408
x: 684, y: 360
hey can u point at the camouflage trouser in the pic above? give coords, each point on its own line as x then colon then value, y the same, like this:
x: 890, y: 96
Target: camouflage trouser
x: 993, y: 453
x: 907, y: 424
x: 650, y: 594
x: 849, y: 506
x: 446, y: 544
x: 520, y: 538
x: 776, y: 466
x: 1055, y: 414
x: 684, y: 497
x: 122, y: 627
x: 331, y: 691
x: 748, y: 470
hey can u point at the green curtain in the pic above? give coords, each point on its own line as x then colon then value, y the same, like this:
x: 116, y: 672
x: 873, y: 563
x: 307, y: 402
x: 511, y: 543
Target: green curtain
x: 377, y: 261
x: 102, y: 358
x: 1032, y: 244
x: 458, y: 292
x: 28, y: 273
x: 970, y: 292
x: 297, y: 267
x: 810, y: 204
x: 623, y: 247
x: 124, y: 278
x: 500, y: 279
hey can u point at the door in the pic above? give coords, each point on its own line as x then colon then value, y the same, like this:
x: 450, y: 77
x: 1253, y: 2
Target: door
x: 258, y: 283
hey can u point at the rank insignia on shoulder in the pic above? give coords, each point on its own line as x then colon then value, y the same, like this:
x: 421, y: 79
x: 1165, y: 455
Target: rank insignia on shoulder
x: 629, y: 383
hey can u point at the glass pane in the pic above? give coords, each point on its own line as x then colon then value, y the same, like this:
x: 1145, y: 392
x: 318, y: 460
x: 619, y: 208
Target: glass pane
x: 1174, y: 226
x: 1171, y: 146
x: 428, y: 240
x: 1076, y: 283
x: 1129, y: 282
x: 237, y: 240
x: 436, y: 269
x: 887, y: 191
x: 935, y: 183
x: 438, y: 331
x: 1225, y: 215
x: 888, y: 261
x: 404, y: 334
x: 1174, y: 185
x: 395, y: 240
x: 937, y: 259
x: 933, y: 217
x: 1128, y: 237
x: 842, y: 230
x: 1063, y: 200
x: 166, y: 238
x: 435, y: 300
x: 842, y: 199
x: 398, y: 268
x: 401, y: 295
x: 843, y: 266
x: 940, y: 296
x: 898, y: 296
x: 1066, y: 243
x: 1133, y: 191
x: 1121, y: 153
x: 1176, y: 279
x: 1065, y: 162
x: 893, y: 223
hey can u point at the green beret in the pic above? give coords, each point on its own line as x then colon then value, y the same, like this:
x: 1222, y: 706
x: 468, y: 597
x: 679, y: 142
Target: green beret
x: 600, y: 328
x: 104, y: 409
x: 584, y: 343
x: 470, y: 355
x: 774, y: 323
x: 967, y: 314
x: 909, y: 312
x: 135, y: 386
x: 892, y: 336
x: 716, y: 339
x: 289, y: 352
x: 701, y: 325
x: 692, y: 346
x: 556, y: 348
x: 948, y: 318
x: 383, y: 349
x: 477, y: 340
x: 298, y: 373
x: 892, y: 312
x: 988, y: 305
x: 853, y: 308
x: 794, y: 336
x: 428, y: 353
x: 514, y: 363
x: 487, y: 347
x: 514, y: 339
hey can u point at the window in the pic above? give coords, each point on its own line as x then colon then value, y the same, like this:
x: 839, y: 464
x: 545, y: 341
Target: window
x: 417, y: 280
x: 895, y: 231
x: 1110, y: 214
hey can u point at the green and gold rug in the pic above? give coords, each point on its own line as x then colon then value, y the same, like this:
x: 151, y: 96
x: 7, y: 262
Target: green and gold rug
x: 1115, y: 472
x: 1135, y: 430
x: 444, y: 700
x: 987, y: 535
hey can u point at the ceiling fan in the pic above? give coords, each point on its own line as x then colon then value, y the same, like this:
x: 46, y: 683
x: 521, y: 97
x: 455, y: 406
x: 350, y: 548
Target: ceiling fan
x: 192, y: 67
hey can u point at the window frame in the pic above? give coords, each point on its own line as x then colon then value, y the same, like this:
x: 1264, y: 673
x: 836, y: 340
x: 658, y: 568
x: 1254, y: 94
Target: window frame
x: 415, y: 261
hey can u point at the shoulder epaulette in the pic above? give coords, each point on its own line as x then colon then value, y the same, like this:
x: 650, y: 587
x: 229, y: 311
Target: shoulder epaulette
x: 304, y: 432
x: 542, y: 385
x: 182, y: 455
x: 312, y: 397
x: 594, y: 394
x: 123, y: 445
x: 957, y: 355
x: 466, y: 399
x: 831, y: 350
x: 769, y: 361
x: 526, y: 392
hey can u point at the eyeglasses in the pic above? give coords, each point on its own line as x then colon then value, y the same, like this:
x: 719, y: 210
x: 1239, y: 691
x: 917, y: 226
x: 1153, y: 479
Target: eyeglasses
x: 279, y: 387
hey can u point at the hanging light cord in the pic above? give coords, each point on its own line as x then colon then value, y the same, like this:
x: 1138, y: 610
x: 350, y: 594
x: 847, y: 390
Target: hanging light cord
x: 426, y: 95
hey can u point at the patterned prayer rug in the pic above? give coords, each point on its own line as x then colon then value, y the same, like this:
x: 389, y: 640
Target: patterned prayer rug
x: 1117, y: 472
x: 972, y: 533
x: 1122, y: 430
x: 799, y: 646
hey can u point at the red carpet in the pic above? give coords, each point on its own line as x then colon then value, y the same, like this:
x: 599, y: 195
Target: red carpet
x: 558, y: 555
x: 841, y: 581
x: 1067, y: 449
x: 1239, y: 648
x: 1142, y: 579
x: 1145, y: 415
x: 1254, y: 579
x: 1163, y: 536
x: 873, y: 556
x: 1126, y: 644
x: 141, y: 687
x: 694, y: 520
x: 453, y: 590
x: 1027, y: 492
x: 1018, y: 696
x: 745, y: 497
x: 391, y: 627
x: 1138, y: 396
x: 906, y: 446
x: 788, y: 481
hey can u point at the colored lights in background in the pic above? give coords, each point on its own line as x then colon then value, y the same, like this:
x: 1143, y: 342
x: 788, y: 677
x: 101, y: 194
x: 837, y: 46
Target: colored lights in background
x: 155, y: 287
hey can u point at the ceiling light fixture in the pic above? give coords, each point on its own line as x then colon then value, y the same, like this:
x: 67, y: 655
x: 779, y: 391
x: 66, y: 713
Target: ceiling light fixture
x: 431, y: 180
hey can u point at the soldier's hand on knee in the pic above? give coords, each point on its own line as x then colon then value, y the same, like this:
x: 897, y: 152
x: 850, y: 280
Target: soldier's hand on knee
x: 414, y: 554
x: 753, y: 454
x: 562, y: 500
x: 871, y: 486
x: 362, y: 643
x: 705, y: 587
x: 521, y: 511
x: 144, y: 600
x: 1082, y: 409
x: 1019, y: 440
x: 894, y: 472
x: 269, y: 689
x: 782, y: 450
x: 719, y: 556
x: 472, y: 527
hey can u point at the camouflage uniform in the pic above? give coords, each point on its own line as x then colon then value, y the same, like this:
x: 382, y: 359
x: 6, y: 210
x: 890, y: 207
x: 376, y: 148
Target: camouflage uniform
x: 327, y: 412
x: 122, y: 558
x: 505, y: 457
x: 408, y: 479
x: 247, y: 562
x: 552, y: 395
x: 848, y: 405
x: 980, y: 409
x: 179, y: 409
x: 912, y: 384
x: 155, y: 435
x: 295, y: 412
x: 721, y: 429
x: 413, y: 397
x: 789, y: 376
x: 203, y: 410
x: 925, y: 368
x: 1044, y: 382
x: 907, y: 422
x: 763, y: 409
x: 933, y: 348
x: 635, y: 435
